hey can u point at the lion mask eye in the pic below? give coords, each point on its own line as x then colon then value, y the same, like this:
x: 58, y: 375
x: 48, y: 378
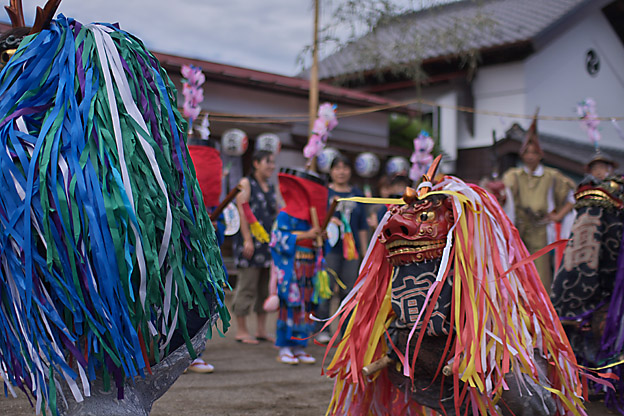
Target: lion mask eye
x: 427, y: 216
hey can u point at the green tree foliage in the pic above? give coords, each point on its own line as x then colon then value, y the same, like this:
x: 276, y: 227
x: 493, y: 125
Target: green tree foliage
x: 403, y: 130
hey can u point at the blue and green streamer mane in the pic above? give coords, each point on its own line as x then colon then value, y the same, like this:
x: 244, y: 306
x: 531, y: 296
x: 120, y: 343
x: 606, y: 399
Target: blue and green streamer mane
x: 105, y: 239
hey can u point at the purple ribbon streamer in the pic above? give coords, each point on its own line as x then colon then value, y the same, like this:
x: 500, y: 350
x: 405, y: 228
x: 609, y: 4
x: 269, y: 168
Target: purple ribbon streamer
x: 613, y: 336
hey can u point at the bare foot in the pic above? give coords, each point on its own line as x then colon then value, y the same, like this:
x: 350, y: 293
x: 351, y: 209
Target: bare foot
x: 247, y: 340
x: 265, y: 338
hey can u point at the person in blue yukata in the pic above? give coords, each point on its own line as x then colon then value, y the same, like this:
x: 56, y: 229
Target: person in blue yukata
x: 296, y: 256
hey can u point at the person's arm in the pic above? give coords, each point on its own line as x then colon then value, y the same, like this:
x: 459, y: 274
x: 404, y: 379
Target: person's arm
x: 372, y: 220
x: 362, y: 229
x: 363, y: 236
x: 557, y: 216
x: 286, y: 232
x: 242, y: 198
x: 564, y: 197
x: 510, y: 180
x: 310, y: 234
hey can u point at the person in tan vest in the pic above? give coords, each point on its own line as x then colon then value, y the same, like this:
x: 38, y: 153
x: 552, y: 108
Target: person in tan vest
x: 539, y: 198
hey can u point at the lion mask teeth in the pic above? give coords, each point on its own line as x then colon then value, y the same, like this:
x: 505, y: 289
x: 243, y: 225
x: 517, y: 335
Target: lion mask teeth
x: 414, y: 251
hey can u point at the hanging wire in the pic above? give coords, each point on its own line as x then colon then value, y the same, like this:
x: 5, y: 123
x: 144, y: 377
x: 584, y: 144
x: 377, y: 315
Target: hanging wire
x: 303, y: 117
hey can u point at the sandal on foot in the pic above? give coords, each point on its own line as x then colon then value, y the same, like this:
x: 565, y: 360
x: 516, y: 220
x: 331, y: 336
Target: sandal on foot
x: 200, y: 366
x: 304, y: 357
x: 287, y: 358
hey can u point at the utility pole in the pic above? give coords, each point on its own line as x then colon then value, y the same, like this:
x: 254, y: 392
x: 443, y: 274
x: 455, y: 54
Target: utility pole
x: 314, y: 94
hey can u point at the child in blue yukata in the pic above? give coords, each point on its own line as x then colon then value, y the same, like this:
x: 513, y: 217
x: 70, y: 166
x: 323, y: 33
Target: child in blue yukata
x: 295, y: 257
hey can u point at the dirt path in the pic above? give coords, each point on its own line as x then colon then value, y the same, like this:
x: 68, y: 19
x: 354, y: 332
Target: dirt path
x: 247, y: 381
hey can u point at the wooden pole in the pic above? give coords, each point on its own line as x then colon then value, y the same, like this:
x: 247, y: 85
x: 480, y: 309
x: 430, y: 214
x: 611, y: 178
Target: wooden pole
x: 313, y: 93
x: 330, y: 213
x: 380, y: 364
x: 315, y: 223
x: 230, y: 196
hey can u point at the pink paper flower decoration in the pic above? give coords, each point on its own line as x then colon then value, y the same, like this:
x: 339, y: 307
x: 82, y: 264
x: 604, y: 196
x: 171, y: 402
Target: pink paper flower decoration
x: 192, y: 91
x: 586, y: 110
x: 323, y: 125
x: 421, y: 158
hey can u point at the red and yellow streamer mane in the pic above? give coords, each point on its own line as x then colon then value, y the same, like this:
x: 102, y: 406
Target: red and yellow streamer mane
x: 503, y: 319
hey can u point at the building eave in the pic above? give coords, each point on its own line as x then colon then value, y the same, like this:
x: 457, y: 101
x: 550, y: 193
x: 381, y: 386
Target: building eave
x: 275, y: 82
x: 444, y: 68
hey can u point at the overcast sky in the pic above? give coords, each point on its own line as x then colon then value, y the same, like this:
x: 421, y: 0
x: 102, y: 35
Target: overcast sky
x: 266, y: 35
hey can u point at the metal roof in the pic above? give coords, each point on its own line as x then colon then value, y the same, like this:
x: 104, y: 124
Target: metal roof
x: 444, y: 31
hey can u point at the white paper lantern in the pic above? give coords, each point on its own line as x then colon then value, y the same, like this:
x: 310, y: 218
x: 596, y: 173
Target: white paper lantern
x: 234, y: 142
x: 367, y: 164
x: 269, y: 142
x: 325, y: 159
x: 397, y: 165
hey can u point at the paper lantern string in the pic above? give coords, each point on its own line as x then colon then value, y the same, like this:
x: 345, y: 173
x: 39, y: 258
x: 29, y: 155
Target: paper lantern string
x: 617, y: 128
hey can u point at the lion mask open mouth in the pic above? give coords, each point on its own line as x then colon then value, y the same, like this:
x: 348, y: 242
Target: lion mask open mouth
x: 417, y: 232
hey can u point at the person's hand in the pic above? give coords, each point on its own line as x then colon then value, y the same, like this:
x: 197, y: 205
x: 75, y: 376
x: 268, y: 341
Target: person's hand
x: 554, y: 216
x: 248, y: 249
x: 335, y: 220
x: 372, y: 221
x: 313, y: 233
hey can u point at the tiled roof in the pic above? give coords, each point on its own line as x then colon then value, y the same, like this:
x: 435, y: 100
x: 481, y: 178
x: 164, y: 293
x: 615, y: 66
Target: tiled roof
x: 502, y: 23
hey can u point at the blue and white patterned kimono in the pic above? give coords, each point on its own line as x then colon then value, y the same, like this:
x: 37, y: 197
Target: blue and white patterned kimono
x: 295, y: 263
